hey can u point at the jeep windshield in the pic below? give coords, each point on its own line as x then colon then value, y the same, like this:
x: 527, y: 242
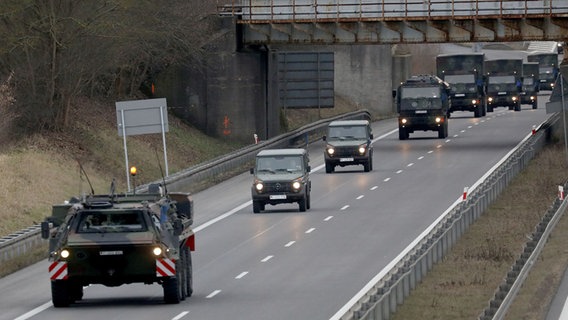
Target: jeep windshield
x: 501, y: 83
x: 279, y: 164
x: 420, y: 98
x: 347, y: 133
x: 111, y: 221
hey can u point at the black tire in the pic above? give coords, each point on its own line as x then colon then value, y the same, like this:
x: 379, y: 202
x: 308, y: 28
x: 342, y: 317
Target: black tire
x: 478, y: 113
x: 308, y: 200
x: 181, y: 274
x: 367, y: 166
x: 535, y: 105
x: 171, y: 290
x: 256, y: 206
x: 443, y: 131
x: 371, y: 162
x: 518, y: 107
x: 60, y: 294
x: 189, y: 273
x: 75, y: 292
x: 329, y: 167
x: 402, y: 134
x: 303, y: 204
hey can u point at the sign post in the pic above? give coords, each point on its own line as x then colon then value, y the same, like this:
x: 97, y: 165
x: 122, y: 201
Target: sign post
x: 137, y: 117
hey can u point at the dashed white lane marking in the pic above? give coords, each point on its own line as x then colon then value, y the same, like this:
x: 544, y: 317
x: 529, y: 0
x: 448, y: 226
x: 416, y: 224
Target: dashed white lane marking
x: 290, y: 243
x: 448, y: 140
x: 241, y: 275
x: 421, y: 157
x: 439, y: 146
x: 387, y: 179
x: 344, y: 207
x: 310, y: 230
x: 462, y: 131
x: 360, y: 197
x: 476, y: 124
x: 374, y: 188
x: 430, y: 151
x: 266, y: 258
x: 410, y: 164
x: 181, y: 315
x: 212, y: 294
x: 328, y: 218
x: 456, y: 135
x: 469, y: 127
x: 399, y: 171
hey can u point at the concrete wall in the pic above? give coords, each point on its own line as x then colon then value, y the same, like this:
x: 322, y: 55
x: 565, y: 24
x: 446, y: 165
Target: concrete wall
x: 232, y: 92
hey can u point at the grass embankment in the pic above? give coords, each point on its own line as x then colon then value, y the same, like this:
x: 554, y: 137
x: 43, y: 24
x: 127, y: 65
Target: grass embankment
x: 460, y: 286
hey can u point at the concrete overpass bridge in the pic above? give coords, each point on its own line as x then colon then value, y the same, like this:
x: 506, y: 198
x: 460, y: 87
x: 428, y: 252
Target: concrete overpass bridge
x: 265, y: 22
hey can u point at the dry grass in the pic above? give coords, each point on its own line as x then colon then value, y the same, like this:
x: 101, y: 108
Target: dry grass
x: 461, y: 286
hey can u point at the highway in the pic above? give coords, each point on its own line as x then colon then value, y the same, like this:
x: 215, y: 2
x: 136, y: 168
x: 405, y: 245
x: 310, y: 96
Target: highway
x: 283, y: 264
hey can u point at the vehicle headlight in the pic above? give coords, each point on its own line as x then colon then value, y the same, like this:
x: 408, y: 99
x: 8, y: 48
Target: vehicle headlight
x: 65, y: 253
x: 330, y: 150
x: 362, y: 149
x: 403, y: 120
x: 438, y: 119
x: 473, y: 101
x: 296, y: 185
x: 514, y: 98
x: 532, y: 98
x: 259, y: 186
x: 490, y: 99
x: 552, y: 85
x: 157, y: 251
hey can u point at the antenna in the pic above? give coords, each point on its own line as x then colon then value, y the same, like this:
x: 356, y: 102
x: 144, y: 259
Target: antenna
x: 161, y: 172
x: 86, y: 176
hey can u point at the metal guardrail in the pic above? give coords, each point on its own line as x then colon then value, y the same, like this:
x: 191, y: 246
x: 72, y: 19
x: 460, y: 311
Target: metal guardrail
x: 20, y: 243
x: 389, y: 291
x: 286, y: 11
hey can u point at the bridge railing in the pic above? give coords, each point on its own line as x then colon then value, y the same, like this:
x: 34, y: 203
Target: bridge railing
x: 286, y: 11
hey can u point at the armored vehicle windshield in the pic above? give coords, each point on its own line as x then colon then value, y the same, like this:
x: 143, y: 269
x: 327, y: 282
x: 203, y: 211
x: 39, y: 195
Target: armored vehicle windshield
x: 107, y: 221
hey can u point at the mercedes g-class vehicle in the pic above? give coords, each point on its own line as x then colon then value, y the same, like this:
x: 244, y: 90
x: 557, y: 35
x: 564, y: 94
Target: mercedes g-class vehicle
x: 423, y: 103
x: 348, y: 143
x: 281, y: 176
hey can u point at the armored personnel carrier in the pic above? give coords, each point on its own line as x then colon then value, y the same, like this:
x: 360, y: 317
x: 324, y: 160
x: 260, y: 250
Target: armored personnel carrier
x: 115, y: 239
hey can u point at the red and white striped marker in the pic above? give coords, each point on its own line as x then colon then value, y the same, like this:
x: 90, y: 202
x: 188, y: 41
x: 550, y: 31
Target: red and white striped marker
x: 465, y: 192
x: 255, y: 138
x: 561, y: 192
x: 534, y: 130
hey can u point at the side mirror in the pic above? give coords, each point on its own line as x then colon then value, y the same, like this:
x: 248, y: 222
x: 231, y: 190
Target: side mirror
x: 309, y: 168
x: 251, y: 170
x: 371, y: 136
x: 324, y: 138
x: 394, y: 93
x: 45, y: 230
x: 178, y: 227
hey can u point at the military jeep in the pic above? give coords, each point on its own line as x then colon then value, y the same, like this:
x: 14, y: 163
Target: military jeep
x: 281, y: 176
x: 348, y: 143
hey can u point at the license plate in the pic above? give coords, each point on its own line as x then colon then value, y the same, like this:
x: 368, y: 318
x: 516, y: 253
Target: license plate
x: 277, y: 197
x: 542, y: 80
x: 502, y: 93
x: 111, y: 253
x: 346, y: 159
x: 460, y: 95
x: 421, y: 111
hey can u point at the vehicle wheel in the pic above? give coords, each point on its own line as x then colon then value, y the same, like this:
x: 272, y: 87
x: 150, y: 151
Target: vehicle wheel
x: 303, y: 203
x: 256, y: 206
x: 443, y: 131
x: 60, y: 294
x: 518, y: 107
x: 535, y: 105
x: 181, y: 275
x: 188, y: 273
x: 329, y: 167
x: 75, y: 292
x: 371, y: 162
x: 367, y: 166
x: 308, y: 200
x: 478, y: 113
x: 402, y: 134
x: 489, y: 108
x: 171, y: 290
x: 484, y: 109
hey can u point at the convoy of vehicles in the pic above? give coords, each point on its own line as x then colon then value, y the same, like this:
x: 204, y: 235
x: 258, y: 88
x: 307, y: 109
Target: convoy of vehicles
x: 504, y: 83
x: 529, y: 93
x: 115, y: 239
x: 281, y: 176
x: 348, y: 142
x: 423, y: 103
x: 464, y: 73
x: 548, y: 68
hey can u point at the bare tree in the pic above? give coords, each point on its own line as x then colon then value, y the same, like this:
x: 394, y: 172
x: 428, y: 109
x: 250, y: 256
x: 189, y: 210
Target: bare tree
x: 58, y: 50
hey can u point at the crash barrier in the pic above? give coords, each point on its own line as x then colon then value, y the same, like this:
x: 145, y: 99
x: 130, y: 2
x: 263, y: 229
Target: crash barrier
x: 238, y: 161
x: 381, y: 298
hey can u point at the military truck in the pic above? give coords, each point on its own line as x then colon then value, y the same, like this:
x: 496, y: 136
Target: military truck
x: 423, y: 103
x: 348, y: 143
x: 530, y: 88
x: 548, y: 68
x: 115, y: 239
x: 504, y: 83
x: 464, y: 73
x: 281, y: 176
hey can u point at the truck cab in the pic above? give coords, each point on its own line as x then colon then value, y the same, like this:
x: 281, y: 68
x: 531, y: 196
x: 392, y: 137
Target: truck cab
x: 423, y: 103
x: 504, y: 83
